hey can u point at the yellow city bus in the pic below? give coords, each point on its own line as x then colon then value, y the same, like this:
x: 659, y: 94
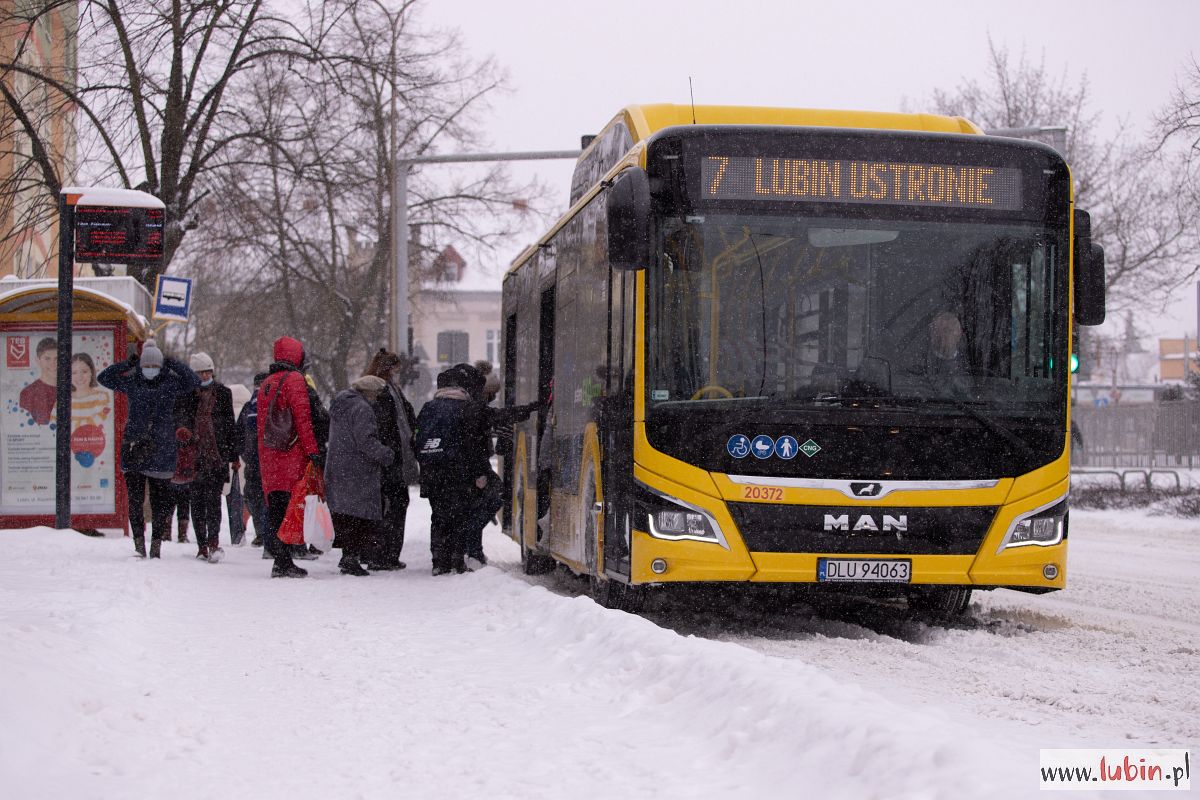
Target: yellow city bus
x: 801, y: 347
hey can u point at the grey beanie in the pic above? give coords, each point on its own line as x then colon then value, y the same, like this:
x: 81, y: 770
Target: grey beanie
x: 369, y: 384
x: 151, y: 355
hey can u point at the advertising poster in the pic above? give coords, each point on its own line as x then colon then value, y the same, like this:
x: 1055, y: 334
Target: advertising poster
x: 29, y: 417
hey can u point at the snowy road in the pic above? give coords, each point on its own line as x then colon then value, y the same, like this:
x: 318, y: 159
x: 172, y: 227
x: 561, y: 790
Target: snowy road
x: 121, y: 678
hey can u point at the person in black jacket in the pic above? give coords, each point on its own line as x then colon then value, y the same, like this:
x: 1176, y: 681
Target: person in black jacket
x: 453, y: 450
x: 206, y: 417
x: 500, y: 422
x: 252, y: 491
x: 396, y: 423
x: 151, y: 384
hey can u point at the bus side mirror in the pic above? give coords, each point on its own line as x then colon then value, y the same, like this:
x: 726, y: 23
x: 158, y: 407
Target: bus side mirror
x: 1089, y: 286
x: 629, y: 220
x: 1089, y: 273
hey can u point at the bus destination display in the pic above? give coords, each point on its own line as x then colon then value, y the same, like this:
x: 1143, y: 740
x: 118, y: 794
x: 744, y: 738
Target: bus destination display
x: 118, y: 234
x: 831, y: 181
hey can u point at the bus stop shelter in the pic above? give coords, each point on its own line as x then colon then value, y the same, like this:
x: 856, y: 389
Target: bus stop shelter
x: 110, y: 314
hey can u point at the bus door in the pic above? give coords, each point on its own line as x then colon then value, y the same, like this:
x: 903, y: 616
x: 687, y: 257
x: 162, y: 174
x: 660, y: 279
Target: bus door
x: 616, y: 428
x: 543, y: 457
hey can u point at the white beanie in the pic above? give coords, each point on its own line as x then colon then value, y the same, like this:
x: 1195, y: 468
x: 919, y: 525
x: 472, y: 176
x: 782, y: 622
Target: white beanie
x: 151, y: 355
x: 199, y: 362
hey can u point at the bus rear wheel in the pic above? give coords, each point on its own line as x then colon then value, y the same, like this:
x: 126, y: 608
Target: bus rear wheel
x: 939, y: 603
x: 534, y: 564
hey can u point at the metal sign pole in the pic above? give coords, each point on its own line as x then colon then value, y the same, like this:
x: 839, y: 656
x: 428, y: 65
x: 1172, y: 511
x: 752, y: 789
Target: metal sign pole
x: 62, y: 433
x: 400, y: 166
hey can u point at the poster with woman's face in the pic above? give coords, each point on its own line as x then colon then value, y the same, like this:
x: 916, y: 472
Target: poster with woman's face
x: 29, y: 419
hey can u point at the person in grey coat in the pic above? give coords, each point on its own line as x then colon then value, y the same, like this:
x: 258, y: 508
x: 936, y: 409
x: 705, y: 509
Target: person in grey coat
x: 354, y: 468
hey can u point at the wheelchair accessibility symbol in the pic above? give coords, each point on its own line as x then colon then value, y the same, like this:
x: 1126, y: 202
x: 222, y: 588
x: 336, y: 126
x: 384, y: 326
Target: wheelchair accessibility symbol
x: 738, y: 445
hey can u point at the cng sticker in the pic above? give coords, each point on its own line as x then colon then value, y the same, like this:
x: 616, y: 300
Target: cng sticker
x: 810, y: 448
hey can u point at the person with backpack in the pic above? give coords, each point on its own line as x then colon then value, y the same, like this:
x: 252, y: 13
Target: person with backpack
x: 354, y: 472
x: 453, y: 450
x: 150, y: 384
x: 286, y: 445
x: 252, y: 491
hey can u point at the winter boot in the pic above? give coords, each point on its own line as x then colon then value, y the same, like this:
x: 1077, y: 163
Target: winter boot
x: 156, y: 548
x: 183, y: 529
x: 287, y: 571
x: 139, y: 546
x: 215, y: 554
x: 349, y: 565
x: 303, y: 553
x: 256, y: 541
x: 202, y: 553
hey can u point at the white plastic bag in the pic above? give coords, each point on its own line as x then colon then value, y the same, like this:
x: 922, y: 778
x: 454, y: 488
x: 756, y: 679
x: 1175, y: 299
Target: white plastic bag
x: 318, y: 524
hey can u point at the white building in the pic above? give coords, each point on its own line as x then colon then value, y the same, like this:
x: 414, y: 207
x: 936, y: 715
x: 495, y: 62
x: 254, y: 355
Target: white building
x: 455, y: 318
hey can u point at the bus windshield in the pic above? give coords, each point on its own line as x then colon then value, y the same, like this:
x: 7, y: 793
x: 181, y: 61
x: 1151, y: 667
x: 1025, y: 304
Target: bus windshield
x: 808, y: 312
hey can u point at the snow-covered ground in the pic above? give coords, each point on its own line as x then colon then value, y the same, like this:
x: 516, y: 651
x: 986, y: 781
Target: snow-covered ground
x: 126, y: 678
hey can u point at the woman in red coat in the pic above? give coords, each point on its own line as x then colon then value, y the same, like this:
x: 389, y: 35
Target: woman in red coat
x: 282, y: 464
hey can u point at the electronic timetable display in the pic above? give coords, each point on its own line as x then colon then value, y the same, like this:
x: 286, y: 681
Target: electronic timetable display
x: 816, y: 180
x: 118, y: 234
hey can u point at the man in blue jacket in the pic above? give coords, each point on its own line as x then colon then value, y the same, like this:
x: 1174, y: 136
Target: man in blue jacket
x: 151, y: 384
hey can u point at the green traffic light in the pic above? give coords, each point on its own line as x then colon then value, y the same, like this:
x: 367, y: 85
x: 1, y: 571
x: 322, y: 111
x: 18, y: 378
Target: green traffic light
x: 1074, y: 363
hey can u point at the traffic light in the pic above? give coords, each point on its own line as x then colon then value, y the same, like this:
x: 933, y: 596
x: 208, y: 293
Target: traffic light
x: 1074, y: 363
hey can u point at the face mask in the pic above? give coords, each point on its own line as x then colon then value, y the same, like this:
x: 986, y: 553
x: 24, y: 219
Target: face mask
x: 150, y: 372
x: 207, y: 382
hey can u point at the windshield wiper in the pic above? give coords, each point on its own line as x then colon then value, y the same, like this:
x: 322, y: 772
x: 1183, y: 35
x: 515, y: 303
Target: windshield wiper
x: 989, y: 424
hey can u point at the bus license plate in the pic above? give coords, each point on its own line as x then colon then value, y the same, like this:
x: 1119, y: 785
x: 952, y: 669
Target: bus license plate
x: 864, y: 570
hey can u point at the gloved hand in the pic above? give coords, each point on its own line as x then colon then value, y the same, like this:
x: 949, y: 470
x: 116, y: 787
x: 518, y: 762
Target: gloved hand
x: 183, y: 435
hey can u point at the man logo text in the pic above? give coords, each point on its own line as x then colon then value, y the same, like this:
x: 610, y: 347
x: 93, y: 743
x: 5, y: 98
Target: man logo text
x: 865, y: 522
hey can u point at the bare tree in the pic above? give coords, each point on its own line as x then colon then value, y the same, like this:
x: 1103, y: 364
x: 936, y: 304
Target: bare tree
x: 152, y: 92
x: 1142, y: 213
x: 1180, y: 119
x: 301, y: 233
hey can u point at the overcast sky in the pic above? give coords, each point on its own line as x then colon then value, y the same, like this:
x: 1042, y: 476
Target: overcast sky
x: 572, y: 65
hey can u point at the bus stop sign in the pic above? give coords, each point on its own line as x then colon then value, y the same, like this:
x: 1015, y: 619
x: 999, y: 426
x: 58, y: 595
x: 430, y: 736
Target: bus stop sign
x: 172, y: 298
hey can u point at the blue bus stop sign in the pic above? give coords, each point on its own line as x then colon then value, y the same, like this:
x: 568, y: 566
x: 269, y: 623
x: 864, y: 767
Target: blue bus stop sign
x: 172, y: 298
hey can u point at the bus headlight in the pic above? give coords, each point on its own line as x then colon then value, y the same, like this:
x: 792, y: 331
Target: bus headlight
x: 678, y: 523
x: 1042, y: 527
x: 671, y: 518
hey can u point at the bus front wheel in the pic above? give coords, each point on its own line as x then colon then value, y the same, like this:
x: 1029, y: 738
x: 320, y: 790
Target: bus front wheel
x: 939, y: 603
x: 617, y: 596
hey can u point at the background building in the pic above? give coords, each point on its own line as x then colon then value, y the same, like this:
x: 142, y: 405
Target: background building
x: 28, y: 214
x: 455, y: 318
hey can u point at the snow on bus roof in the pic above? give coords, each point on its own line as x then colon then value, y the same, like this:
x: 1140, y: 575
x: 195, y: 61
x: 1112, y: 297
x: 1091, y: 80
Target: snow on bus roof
x: 104, y: 196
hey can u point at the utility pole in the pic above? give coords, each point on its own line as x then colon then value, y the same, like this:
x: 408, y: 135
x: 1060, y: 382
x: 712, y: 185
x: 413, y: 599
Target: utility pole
x: 400, y: 167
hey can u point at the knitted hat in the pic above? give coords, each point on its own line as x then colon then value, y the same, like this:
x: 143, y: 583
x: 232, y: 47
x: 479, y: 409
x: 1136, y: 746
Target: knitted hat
x: 151, y: 355
x: 201, y: 362
x: 369, y: 384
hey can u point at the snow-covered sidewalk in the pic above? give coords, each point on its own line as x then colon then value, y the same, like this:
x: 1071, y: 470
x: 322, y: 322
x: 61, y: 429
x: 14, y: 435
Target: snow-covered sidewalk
x: 125, y: 678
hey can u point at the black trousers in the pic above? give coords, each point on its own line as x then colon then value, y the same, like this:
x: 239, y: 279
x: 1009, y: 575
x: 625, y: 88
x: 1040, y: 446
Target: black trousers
x: 160, y: 506
x: 390, y: 536
x: 449, y: 524
x: 277, y: 505
x: 206, y: 510
x: 252, y: 494
x: 181, y: 493
x: 354, y: 535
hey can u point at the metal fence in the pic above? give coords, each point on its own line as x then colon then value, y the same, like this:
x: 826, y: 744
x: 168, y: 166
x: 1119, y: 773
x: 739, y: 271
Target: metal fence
x: 1165, y: 434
